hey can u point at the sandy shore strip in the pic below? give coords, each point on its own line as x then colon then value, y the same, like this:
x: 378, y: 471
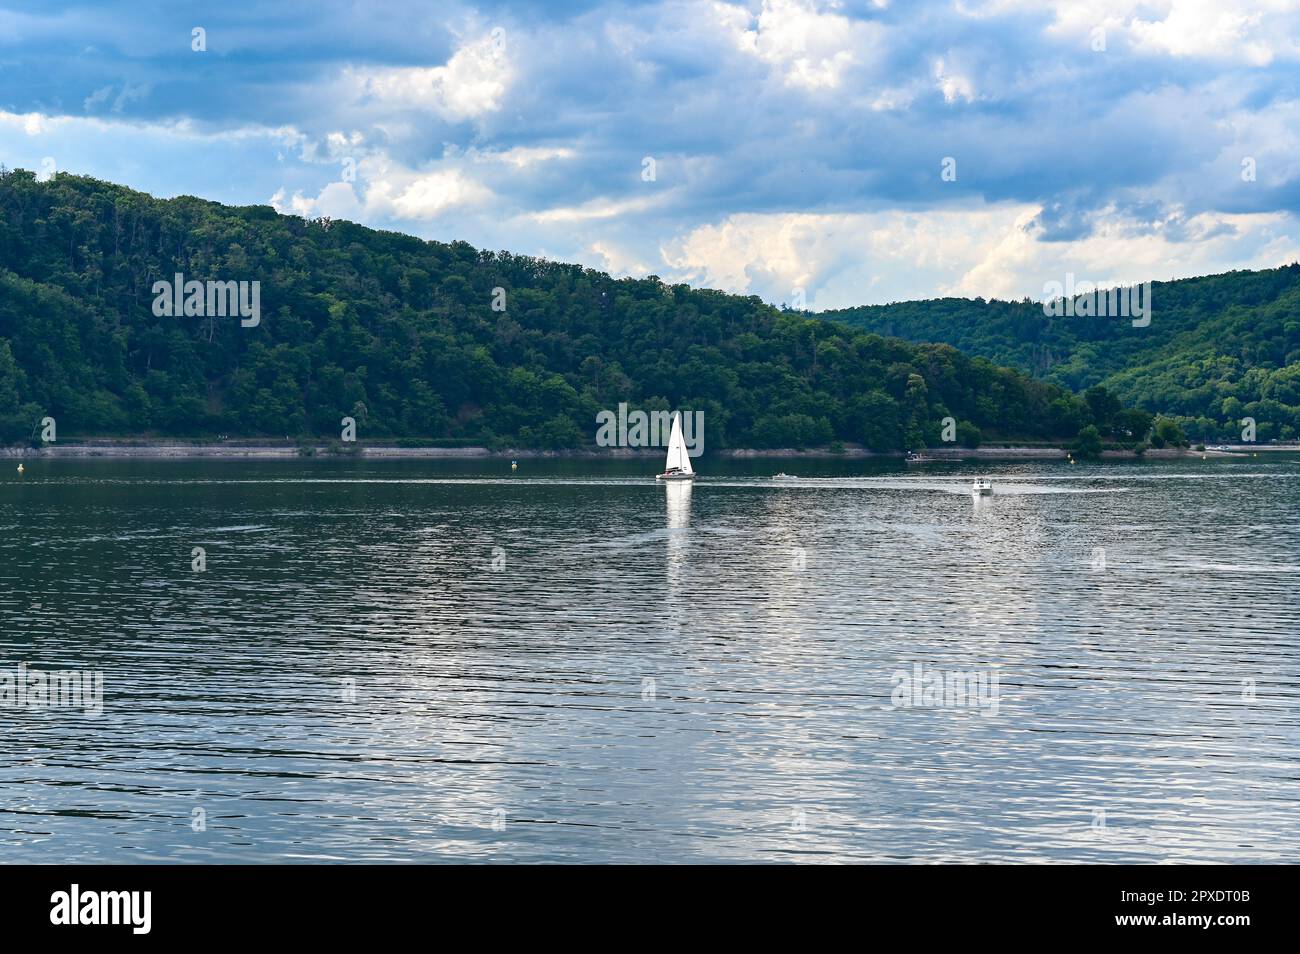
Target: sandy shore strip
x: 254, y: 450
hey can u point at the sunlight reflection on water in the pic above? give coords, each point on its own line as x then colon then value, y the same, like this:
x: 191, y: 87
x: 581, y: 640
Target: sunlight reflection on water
x: 571, y: 666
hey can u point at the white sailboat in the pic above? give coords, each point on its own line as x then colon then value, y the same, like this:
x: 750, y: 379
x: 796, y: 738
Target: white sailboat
x: 679, y: 462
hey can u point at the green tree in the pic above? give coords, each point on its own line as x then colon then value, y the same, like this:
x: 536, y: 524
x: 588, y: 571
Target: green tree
x: 1087, y: 445
x: 1103, y: 405
x: 1131, y: 424
x: 1166, y: 432
x: 968, y: 435
x: 400, y: 333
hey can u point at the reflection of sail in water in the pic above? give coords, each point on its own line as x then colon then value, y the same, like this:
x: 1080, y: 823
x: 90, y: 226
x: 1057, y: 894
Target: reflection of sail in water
x: 679, y: 521
x: 679, y: 505
x: 992, y: 605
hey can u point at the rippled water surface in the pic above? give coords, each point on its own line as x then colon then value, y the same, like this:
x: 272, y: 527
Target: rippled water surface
x: 426, y: 661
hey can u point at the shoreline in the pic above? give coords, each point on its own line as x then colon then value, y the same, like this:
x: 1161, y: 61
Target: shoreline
x: 254, y: 450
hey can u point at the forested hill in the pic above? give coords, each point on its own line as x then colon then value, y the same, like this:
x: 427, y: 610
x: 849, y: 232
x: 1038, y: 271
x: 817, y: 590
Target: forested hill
x: 401, y: 334
x: 1217, y: 348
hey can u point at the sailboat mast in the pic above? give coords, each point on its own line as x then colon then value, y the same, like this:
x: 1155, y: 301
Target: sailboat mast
x: 678, y: 461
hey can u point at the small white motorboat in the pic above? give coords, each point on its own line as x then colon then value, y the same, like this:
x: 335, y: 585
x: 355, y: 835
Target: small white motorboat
x: 914, y: 458
x: 982, y: 487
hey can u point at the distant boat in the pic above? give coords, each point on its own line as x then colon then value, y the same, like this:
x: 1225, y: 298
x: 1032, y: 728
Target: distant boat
x: 784, y: 476
x: 914, y: 458
x: 982, y: 487
x: 678, y: 466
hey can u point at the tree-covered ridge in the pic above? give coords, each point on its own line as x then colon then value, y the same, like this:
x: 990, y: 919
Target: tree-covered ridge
x: 400, y: 334
x: 1218, y: 348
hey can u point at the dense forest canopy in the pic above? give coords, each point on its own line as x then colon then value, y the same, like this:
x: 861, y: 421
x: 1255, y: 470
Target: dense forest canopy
x: 1217, y: 349
x: 401, y: 334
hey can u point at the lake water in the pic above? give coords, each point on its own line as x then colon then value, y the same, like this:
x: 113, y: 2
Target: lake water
x: 444, y: 661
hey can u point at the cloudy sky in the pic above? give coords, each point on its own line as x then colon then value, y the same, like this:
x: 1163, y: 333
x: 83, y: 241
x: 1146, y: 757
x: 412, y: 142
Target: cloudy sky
x: 759, y: 147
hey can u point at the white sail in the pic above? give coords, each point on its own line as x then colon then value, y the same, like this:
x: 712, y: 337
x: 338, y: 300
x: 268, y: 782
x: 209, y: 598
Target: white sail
x: 677, y: 456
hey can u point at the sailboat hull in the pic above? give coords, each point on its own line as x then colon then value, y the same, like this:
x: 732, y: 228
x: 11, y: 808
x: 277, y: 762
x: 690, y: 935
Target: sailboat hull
x: 674, y: 476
